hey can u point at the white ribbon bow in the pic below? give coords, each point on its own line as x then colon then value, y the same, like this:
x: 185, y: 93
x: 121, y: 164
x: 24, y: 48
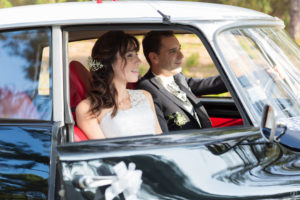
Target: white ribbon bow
x: 127, y: 181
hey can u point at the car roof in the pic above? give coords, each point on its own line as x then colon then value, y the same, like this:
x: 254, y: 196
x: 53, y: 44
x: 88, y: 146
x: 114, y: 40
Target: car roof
x: 121, y: 12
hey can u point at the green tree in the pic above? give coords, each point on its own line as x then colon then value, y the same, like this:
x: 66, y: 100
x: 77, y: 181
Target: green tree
x: 294, y: 28
x: 5, y: 4
x: 49, y: 1
x: 10, y: 3
x: 280, y: 9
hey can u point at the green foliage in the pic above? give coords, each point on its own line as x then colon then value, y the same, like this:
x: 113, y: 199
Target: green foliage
x: 278, y: 8
x: 44, y: 1
x: 5, y: 4
x: 10, y: 3
x: 143, y: 69
x: 192, y: 60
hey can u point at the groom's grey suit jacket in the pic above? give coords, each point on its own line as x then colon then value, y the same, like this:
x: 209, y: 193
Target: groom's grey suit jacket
x: 167, y: 104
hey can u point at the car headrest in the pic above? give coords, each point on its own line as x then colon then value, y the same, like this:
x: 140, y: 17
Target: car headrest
x: 79, y: 83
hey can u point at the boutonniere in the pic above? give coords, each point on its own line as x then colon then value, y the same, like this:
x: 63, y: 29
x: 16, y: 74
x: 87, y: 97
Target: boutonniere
x: 178, y: 118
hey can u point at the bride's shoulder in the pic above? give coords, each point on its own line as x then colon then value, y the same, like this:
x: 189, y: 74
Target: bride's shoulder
x: 140, y: 92
x: 147, y: 94
x: 142, y: 95
x: 83, y: 106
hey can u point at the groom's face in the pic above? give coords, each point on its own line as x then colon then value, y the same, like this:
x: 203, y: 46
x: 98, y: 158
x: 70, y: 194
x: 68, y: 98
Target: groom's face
x: 170, y: 55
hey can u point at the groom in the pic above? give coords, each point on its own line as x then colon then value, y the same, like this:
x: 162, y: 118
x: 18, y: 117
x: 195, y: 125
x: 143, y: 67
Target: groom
x: 175, y: 96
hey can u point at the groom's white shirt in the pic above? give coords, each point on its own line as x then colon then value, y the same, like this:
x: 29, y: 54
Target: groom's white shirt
x: 165, y: 81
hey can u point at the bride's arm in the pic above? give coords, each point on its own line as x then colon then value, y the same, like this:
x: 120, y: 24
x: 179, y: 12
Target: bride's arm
x: 88, y: 123
x: 149, y: 97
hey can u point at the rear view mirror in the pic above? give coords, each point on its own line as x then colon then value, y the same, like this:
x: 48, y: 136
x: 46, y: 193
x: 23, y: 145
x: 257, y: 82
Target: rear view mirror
x: 284, y: 131
x: 268, y: 123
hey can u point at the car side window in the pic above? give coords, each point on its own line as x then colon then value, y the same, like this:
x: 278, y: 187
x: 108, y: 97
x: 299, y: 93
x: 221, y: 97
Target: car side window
x: 25, y: 84
x: 197, y: 61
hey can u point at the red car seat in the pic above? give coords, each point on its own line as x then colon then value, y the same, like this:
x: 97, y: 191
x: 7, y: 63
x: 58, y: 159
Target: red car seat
x: 79, y: 85
x: 223, y: 122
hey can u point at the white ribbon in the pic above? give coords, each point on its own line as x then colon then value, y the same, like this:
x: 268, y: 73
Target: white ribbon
x: 128, y: 181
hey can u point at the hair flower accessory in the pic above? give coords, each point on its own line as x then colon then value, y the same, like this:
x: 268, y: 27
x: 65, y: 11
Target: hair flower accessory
x: 94, y: 65
x: 178, y: 118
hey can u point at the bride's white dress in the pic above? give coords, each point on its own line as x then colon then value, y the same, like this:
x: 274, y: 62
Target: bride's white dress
x: 139, y: 119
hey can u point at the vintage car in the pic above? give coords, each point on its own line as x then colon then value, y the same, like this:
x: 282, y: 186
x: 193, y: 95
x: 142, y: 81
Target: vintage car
x: 252, y: 151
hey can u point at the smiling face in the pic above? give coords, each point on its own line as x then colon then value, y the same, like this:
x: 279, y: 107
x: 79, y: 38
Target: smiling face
x: 169, y: 58
x: 127, y: 69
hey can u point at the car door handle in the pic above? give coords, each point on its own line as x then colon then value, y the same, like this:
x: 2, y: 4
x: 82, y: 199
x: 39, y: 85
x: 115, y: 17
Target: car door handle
x: 126, y: 181
x: 83, y: 182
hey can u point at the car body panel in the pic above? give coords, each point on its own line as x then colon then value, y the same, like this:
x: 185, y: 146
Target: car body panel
x: 175, y: 166
x: 25, y: 159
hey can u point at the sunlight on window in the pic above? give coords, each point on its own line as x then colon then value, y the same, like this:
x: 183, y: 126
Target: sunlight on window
x: 44, y: 77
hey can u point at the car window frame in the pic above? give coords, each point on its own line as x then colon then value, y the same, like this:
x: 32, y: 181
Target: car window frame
x: 69, y: 122
x: 37, y: 75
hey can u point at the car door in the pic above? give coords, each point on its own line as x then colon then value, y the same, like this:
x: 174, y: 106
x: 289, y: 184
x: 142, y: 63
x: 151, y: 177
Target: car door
x: 182, y: 165
x: 26, y: 126
x: 220, y: 163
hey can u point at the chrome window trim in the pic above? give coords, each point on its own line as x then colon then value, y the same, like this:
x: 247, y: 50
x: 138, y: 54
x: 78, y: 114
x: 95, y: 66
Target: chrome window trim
x: 69, y: 121
x: 57, y: 60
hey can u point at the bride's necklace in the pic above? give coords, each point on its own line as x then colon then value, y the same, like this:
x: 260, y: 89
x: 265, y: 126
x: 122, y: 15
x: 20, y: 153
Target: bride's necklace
x: 124, y: 99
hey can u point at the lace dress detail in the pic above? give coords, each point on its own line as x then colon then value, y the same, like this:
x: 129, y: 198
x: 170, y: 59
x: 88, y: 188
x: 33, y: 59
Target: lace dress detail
x: 137, y: 120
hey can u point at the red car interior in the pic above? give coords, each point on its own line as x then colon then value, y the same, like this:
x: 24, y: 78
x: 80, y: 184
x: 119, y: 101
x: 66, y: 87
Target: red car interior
x: 222, y: 122
x: 79, y: 84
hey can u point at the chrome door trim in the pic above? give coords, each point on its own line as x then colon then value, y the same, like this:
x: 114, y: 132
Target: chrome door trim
x: 57, y: 60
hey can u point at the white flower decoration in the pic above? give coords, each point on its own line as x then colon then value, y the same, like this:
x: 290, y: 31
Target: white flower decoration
x: 94, y: 65
x: 178, y: 118
x: 128, y: 181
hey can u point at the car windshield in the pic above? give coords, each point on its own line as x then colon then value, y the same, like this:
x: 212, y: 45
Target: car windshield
x: 264, y: 64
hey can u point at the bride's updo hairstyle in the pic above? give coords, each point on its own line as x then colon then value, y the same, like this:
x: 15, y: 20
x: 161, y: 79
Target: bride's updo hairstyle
x: 104, y: 53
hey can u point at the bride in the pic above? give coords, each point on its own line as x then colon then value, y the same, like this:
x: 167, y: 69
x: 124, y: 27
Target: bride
x: 111, y: 110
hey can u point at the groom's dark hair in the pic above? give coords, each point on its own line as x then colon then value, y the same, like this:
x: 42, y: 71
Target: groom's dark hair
x: 152, y: 42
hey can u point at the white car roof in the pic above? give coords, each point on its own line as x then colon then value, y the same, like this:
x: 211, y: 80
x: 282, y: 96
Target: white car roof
x: 121, y: 12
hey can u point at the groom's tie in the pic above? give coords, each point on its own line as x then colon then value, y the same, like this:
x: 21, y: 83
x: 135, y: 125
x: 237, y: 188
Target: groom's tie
x: 176, y: 91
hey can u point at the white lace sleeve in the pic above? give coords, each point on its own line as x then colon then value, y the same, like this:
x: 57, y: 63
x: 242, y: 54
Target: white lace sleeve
x: 138, y: 98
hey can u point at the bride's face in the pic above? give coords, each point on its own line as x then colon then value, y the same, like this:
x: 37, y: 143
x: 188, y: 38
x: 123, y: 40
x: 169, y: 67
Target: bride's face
x: 127, y: 69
